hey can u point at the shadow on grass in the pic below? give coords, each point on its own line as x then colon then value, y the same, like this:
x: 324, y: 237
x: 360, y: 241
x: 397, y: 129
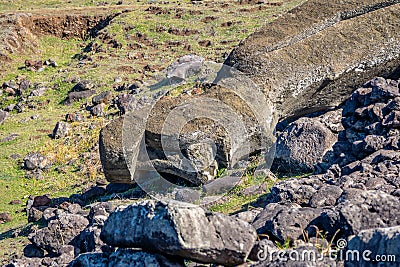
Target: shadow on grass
x: 20, y: 231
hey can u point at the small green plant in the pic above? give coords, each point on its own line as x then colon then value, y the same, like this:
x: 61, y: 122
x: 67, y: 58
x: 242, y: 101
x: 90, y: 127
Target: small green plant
x: 321, y: 240
x: 221, y: 172
x: 285, y: 245
x: 148, y: 46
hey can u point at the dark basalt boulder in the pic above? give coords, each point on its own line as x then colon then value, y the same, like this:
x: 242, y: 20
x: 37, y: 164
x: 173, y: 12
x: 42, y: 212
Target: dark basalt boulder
x: 180, y: 229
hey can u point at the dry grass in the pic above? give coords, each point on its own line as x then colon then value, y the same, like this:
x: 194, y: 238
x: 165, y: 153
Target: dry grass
x: 147, y: 43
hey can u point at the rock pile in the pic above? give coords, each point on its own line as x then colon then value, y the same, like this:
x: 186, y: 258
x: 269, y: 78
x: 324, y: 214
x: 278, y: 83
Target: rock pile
x: 70, y: 230
x: 358, y: 190
x: 367, y: 150
x: 354, y: 197
x: 164, y: 232
x: 353, y: 194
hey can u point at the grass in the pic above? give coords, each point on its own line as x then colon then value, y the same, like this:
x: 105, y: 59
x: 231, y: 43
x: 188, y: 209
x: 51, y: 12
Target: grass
x: 15, y: 247
x: 147, y: 46
x: 34, y: 134
x: 236, y: 200
x: 21, y: 5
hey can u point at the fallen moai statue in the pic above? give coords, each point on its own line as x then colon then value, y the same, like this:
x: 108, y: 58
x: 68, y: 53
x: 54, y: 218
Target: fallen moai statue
x: 311, y: 58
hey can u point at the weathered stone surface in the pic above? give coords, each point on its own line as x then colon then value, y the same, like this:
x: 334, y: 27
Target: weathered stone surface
x: 187, y: 137
x: 187, y: 195
x: 111, y: 152
x: 327, y: 195
x: 301, y: 145
x: 268, y: 213
x: 93, y: 192
x: 254, y: 190
x: 76, y: 96
x: 116, y: 167
x: 34, y: 161
x: 24, y: 85
x: 378, y: 171
x: 381, y: 241
x: 247, y: 216
x: 367, y: 154
x: 285, y: 222
x: 26, y: 262
x: 332, y: 120
x: 32, y: 251
x: 89, y: 239
x: 185, y: 67
x: 125, y: 258
x: 294, y: 190
x: 44, y: 200
x: 180, y: 229
x: 302, y: 65
x: 74, y: 117
x: 98, y: 110
x: 84, y: 85
x: 104, y: 97
x: 90, y: 259
x: 247, y: 134
x: 202, y: 157
x: 262, y: 248
x: 180, y: 171
x: 99, y: 212
x: 39, y: 90
x: 34, y: 215
x: 61, y: 130
x: 361, y: 210
x: 49, y: 214
x: 59, y: 232
x: 5, y: 217
x: 221, y: 185
x: 3, y: 116
x: 126, y: 103
x: 65, y: 254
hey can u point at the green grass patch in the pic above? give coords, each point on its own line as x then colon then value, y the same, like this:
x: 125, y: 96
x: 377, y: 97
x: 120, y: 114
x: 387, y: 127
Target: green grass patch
x: 155, y: 46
